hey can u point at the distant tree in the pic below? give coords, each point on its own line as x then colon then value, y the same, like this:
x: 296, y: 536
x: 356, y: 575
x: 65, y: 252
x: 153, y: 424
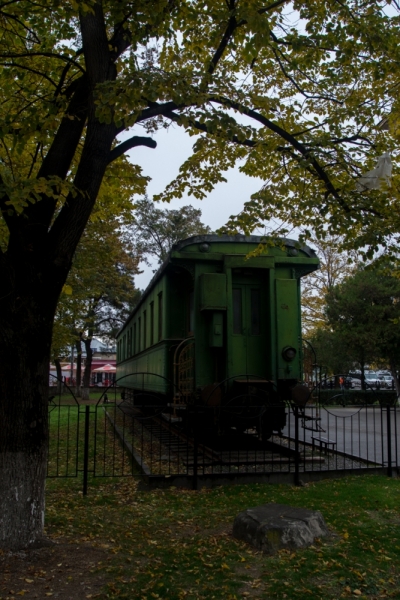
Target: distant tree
x: 100, y: 289
x: 157, y: 230
x: 362, y: 311
x: 335, y: 265
x: 332, y: 355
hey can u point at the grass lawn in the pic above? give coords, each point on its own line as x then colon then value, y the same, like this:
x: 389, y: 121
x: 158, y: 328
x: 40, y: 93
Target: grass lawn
x: 95, y: 395
x: 178, y: 544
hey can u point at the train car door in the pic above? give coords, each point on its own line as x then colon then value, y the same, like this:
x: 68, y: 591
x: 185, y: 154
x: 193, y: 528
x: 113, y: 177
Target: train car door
x: 248, y: 329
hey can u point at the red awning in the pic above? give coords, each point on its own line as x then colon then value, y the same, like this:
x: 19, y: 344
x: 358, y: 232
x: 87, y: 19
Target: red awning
x: 105, y: 369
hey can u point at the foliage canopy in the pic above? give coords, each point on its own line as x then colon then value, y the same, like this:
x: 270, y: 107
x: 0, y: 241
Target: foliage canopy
x: 156, y: 230
x: 335, y: 266
x: 293, y: 91
x: 362, y: 311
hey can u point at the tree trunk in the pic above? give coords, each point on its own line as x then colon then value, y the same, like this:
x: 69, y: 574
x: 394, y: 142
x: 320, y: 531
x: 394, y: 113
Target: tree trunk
x: 59, y: 376
x: 88, y: 366
x: 363, y: 386
x: 78, y: 345
x: 25, y: 340
x: 32, y: 271
x: 395, y: 378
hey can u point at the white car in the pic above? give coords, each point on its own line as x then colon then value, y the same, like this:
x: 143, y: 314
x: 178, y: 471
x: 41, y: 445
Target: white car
x: 387, y: 381
x: 373, y: 381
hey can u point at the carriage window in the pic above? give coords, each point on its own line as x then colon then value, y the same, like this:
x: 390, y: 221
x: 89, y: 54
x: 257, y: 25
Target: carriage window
x: 129, y: 343
x: 160, y: 316
x: 255, y: 312
x: 134, y: 338
x: 151, y: 323
x: 237, y: 310
x: 140, y: 335
x: 144, y: 329
x: 191, y: 312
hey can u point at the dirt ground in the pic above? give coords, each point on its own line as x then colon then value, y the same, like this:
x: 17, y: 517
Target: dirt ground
x: 64, y: 571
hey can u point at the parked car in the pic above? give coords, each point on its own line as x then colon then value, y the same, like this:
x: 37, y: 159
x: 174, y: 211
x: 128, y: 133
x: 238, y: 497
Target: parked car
x: 373, y: 381
x: 387, y: 382
x: 355, y: 381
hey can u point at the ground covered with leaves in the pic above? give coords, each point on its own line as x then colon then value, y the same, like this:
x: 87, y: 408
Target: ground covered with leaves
x: 123, y: 541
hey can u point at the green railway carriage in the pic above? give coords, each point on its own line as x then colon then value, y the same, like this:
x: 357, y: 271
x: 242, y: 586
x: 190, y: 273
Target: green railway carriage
x: 213, y: 322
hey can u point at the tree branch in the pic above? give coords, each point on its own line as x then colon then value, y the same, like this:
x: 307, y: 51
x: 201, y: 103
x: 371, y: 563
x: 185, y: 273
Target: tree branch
x: 317, y: 169
x: 131, y: 143
x: 272, y: 6
x: 202, y: 127
x: 99, y: 67
x: 63, y: 57
x: 59, y: 157
x: 27, y: 68
x: 21, y: 23
x: 233, y: 24
x: 297, y: 86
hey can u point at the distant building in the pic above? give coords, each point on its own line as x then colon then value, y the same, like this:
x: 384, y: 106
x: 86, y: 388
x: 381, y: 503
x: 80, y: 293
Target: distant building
x: 103, y: 354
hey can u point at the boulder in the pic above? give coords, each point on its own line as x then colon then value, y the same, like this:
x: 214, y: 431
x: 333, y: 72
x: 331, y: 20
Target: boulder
x: 272, y: 527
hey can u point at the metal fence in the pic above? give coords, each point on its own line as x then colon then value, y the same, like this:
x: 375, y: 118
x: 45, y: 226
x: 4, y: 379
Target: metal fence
x: 336, y: 431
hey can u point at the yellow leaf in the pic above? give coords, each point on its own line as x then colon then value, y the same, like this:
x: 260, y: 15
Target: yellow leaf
x: 67, y: 289
x: 346, y: 536
x: 29, y: 580
x: 357, y: 592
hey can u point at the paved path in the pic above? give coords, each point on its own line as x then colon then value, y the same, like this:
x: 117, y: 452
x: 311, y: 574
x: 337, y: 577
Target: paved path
x: 359, y: 432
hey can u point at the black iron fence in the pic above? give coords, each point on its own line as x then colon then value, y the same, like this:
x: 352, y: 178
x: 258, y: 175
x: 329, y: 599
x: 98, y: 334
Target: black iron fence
x: 125, y: 435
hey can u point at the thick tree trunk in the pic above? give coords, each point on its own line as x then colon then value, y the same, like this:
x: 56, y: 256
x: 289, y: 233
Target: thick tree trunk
x: 32, y: 272
x: 25, y: 340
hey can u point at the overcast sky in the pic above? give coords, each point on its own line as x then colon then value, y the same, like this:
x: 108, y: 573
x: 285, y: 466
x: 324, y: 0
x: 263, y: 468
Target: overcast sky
x: 162, y: 165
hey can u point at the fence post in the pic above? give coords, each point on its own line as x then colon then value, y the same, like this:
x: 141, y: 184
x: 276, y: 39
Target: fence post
x: 389, y: 440
x: 195, y: 448
x: 86, y: 450
x: 296, y: 447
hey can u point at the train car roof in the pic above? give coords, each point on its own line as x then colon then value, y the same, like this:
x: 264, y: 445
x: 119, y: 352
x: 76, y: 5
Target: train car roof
x: 213, y: 238
x: 249, y: 239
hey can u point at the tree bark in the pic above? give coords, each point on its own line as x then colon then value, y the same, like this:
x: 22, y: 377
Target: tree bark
x: 25, y: 340
x: 78, y: 345
x: 363, y: 385
x: 88, y: 366
x: 395, y: 378
x: 32, y: 272
x: 59, y: 376
x: 32, y: 277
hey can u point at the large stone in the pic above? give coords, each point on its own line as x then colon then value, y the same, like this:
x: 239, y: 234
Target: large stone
x: 271, y: 527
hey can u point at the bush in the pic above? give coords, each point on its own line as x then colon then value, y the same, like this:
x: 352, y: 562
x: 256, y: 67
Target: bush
x: 355, y: 397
